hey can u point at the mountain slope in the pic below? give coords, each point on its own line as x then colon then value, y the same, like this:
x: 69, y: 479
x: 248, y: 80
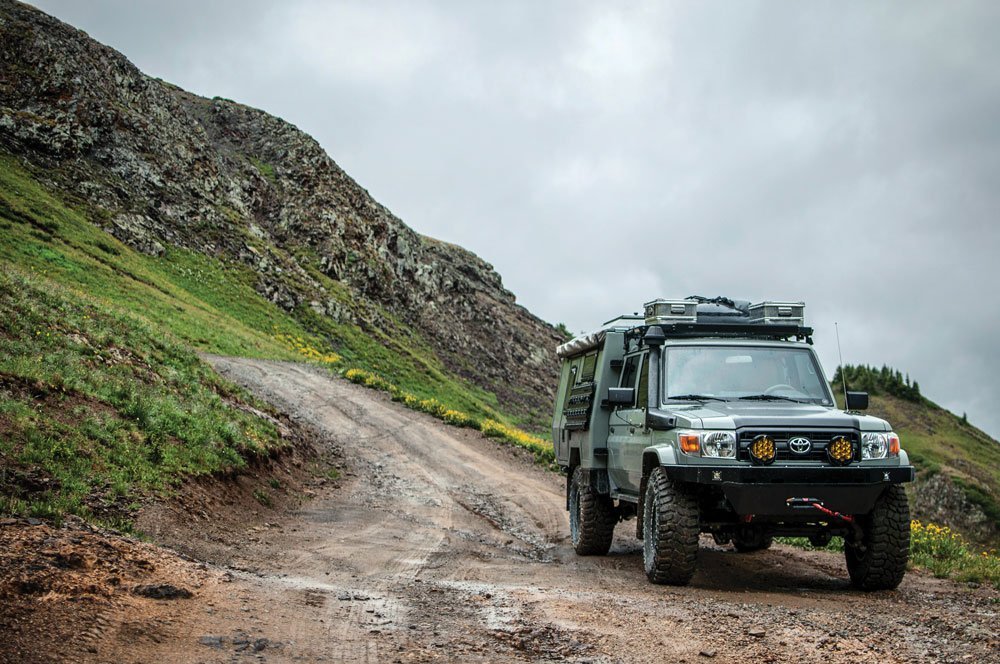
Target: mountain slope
x: 164, y: 170
x: 958, y: 465
x: 202, y: 301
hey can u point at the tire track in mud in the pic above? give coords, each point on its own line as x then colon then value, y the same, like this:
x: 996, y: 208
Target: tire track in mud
x: 393, y: 502
x: 452, y: 498
x: 439, y: 545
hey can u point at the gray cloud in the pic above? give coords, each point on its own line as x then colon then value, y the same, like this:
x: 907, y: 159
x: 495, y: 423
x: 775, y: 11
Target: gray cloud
x: 598, y: 155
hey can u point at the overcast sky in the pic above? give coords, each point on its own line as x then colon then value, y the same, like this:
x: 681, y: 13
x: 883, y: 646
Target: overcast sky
x: 603, y: 154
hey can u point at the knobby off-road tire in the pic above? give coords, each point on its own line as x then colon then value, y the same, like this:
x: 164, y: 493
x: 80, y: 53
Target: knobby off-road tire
x: 882, y: 563
x: 592, y: 517
x: 670, y: 531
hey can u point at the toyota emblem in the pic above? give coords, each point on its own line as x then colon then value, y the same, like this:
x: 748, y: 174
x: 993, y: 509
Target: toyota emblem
x: 800, y: 445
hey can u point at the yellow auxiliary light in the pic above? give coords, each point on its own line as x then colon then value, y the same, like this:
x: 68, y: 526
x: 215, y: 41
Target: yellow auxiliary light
x: 762, y: 449
x: 840, y: 451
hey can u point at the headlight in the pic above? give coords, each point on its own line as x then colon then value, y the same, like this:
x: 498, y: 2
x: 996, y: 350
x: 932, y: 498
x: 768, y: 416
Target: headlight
x: 718, y: 444
x: 879, y: 445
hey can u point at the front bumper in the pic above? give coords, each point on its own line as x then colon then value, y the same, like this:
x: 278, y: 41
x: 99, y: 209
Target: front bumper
x: 781, y: 490
x: 790, y: 474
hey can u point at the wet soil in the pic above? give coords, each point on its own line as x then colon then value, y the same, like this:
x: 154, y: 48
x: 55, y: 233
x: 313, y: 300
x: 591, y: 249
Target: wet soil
x: 436, y: 544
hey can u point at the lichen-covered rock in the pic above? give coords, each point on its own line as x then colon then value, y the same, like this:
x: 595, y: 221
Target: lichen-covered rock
x: 211, y: 175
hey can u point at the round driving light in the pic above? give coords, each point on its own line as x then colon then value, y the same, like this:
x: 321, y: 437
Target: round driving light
x: 762, y: 449
x: 719, y: 444
x: 840, y: 451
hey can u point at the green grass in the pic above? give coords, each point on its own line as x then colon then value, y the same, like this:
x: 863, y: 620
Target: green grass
x: 98, y: 408
x: 936, y: 549
x: 836, y: 543
x: 201, y: 301
x: 267, y: 170
x: 946, y: 554
x: 211, y: 305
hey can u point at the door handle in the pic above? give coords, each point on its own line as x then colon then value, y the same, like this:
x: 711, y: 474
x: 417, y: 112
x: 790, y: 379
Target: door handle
x: 631, y: 429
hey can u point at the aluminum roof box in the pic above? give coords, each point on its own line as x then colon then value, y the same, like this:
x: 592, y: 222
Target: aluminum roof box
x: 659, y: 312
x: 790, y: 313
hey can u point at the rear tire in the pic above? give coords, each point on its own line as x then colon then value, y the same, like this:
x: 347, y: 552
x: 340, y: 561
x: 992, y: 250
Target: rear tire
x: 592, y: 518
x: 670, y: 531
x: 879, y: 563
x: 756, y: 542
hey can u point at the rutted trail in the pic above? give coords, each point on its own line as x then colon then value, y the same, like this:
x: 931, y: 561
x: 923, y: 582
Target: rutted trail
x: 440, y: 545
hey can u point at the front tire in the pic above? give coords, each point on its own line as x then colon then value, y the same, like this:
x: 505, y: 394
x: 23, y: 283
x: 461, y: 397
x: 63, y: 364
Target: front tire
x: 670, y: 531
x: 878, y: 561
x: 592, y: 517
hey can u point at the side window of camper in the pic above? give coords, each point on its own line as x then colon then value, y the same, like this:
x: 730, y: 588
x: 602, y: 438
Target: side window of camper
x: 589, y: 368
x: 574, y: 372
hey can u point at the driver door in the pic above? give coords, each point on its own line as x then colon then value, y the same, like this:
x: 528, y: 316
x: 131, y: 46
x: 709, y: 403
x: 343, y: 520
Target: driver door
x: 627, y: 434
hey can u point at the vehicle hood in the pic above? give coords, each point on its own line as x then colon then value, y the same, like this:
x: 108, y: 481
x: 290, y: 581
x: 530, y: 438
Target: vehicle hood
x: 756, y: 414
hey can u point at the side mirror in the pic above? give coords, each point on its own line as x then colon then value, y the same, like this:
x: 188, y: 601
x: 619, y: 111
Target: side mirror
x: 857, y: 401
x: 620, y: 396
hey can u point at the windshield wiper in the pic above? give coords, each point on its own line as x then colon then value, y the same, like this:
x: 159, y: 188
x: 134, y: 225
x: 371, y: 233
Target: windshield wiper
x: 696, y: 397
x: 770, y: 397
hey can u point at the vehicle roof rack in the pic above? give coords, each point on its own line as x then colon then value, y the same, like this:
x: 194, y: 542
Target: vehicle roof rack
x: 764, y: 331
x: 721, y: 317
x: 702, y: 317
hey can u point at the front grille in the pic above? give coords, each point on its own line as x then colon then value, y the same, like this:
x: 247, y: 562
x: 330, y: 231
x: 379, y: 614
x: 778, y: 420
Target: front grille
x: 819, y: 438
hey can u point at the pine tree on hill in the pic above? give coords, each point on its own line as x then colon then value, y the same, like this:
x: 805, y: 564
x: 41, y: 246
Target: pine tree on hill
x: 879, y: 381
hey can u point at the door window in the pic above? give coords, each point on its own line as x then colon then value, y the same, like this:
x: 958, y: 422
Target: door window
x: 635, y: 367
x: 642, y: 393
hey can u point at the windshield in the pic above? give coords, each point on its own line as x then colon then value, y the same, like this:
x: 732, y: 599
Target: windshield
x: 744, y: 372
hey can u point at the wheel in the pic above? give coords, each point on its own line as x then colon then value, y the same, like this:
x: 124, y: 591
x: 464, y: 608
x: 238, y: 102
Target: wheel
x: 592, y: 518
x: 878, y: 561
x: 755, y: 541
x: 669, y: 531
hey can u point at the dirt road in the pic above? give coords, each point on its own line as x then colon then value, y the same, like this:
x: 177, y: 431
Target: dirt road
x: 438, y: 544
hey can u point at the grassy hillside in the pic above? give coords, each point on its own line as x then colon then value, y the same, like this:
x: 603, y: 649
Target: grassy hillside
x: 939, y: 442
x: 208, y: 304
x: 98, y: 408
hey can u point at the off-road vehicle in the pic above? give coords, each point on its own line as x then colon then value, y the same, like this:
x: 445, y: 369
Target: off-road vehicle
x: 714, y: 416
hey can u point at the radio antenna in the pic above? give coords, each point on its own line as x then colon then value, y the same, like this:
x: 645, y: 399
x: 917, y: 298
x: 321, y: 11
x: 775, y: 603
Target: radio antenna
x: 843, y: 371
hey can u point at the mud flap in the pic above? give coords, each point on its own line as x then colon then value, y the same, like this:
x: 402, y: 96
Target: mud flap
x: 596, y: 478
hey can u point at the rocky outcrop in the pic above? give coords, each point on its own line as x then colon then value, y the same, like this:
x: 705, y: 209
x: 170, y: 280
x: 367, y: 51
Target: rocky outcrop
x: 161, y: 167
x: 936, y: 499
